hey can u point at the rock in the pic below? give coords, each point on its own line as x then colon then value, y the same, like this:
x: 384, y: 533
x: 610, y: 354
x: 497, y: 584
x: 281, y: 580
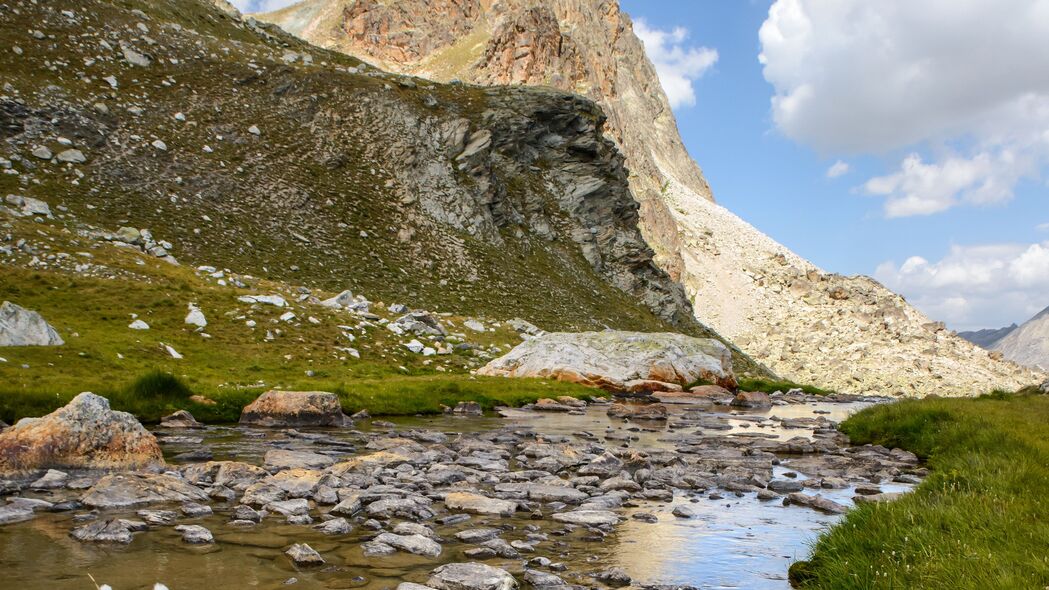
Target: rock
x: 15, y: 513
x: 294, y: 409
x: 133, y: 57
x: 42, y: 152
x: 468, y: 409
x: 475, y: 536
x: 138, y: 325
x: 543, y: 580
x: 1044, y: 387
x: 683, y: 511
x: 638, y: 411
x: 103, y: 531
x: 158, y: 517
x: 876, y: 498
x: 470, y: 576
x: 412, y: 586
x: 22, y: 327
x: 335, y: 526
x: 274, y: 300
x: 587, y: 517
x: 247, y: 513
x: 302, y: 554
x: 478, y: 504
x: 614, y: 577
x: 752, y: 399
x: 420, y: 323
x: 342, y: 300
x: 817, y: 502
x: 278, y: 459
x: 611, y: 359
x: 416, y: 544
x: 196, y: 510
x: 195, y: 534
x: 53, y: 479
x: 180, y: 419
x: 605, y: 465
x: 785, y: 486
x: 130, y: 489
x: 475, y: 325
x: 71, y: 156
x: 195, y: 317
x: 295, y: 507
x: 84, y: 434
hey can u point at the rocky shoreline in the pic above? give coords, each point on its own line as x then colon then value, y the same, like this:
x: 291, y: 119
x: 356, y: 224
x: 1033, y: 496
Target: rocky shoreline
x: 477, y: 503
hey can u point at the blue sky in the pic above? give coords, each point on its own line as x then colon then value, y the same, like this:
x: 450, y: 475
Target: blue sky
x: 970, y: 249
x: 904, y: 140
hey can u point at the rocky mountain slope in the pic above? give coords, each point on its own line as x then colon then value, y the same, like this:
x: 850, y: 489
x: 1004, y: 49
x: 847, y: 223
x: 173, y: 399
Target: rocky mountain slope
x: 142, y: 139
x: 1027, y: 344
x: 988, y: 336
x: 846, y: 333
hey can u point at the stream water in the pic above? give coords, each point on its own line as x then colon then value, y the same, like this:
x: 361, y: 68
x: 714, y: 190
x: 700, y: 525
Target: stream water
x: 736, y: 541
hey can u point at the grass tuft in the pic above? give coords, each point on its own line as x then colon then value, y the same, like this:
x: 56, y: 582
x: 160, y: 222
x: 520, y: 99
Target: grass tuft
x: 772, y: 386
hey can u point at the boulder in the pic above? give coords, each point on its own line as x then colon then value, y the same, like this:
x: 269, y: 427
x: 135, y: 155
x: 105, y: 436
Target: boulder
x: 478, y: 504
x: 1044, y: 387
x: 416, y: 544
x: 816, y: 502
x: 612, y: 359
x: 278, y: 459
x: 420, y: 323
x: 344, y: 299
x: 638, y: 411
x: 84, y: 434
x: 103, y: 531
x: 284, y: 409
x: 22, y: 327
x: 752, y: 399
x: 180, y: 419
x: 470, y: 576
x: 194, y: 534
x: 302, y: 554
x: 587, y: 517
x: 467, y: 409
x: 131, y: 489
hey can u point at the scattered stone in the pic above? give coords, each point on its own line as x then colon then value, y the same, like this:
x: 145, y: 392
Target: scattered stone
x: 103, y: 531
x: 129, y: 489
x: 303, y: 555
x: 614, y: 577
x: 335, y: 526
x: 752, y: 399
x: 295, y: 409
x: 588, y: 517
x: 138, y: 325
x: 478, y: 504
x: 638, y: 411
x: 683, y: 512
x: 22, y: 327
x: 470, y: 576
x: 416, y: 544
x: 195, y: 534
x: 816, y: 502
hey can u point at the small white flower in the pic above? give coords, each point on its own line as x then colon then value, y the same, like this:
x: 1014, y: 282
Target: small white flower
x: 159, y: 586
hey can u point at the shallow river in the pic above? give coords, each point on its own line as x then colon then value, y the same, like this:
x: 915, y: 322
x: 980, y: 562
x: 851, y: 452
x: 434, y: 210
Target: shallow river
x: 734, y: 542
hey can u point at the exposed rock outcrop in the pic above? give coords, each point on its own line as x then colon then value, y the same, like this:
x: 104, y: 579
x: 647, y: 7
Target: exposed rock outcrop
x: 612, y: 360
x: 84, y: 434
x: 22, y: 327
x: 284, y: 409
x: 843, y: 333
x: 1029, y: 343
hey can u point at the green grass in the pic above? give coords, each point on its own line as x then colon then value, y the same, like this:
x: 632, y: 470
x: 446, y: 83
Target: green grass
x: 980, y: 520
x: 772, y: 386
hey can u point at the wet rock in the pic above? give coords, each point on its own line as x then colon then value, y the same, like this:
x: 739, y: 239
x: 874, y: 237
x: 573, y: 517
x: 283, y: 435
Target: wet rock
x: 103, y: 531
x: 478, y: 504
x: 543, y: 580
x: 22, y: 327
x: 470, y: 576
x: 294, y: 409
x: 84, y: 434
x: 376, y: 549
x: 296, y: 507
x: 195, y: 510
x: 412, y: 586
x: 816, y: 502
x: 587, y: 517
x: 610, y: 359
x: 638, y: 411
x: 180, y: 419
x: 15, y: 513
x: 158, y: 517
x: 605, y: 465
x: 116, y: 491
x: 247, y: 513
x: 683, y: 512
x: 785, y: 486
x: 468, y: 409
x: 544, y: 492
x: 501, y: 548
x: 195, y: 534
x: 53, y: 479
x: 278, y: 459
x: 614, y: 577
x: 335, y: 526
x: 232, y: 474
x: 303, y: 555
x: 475, y: 536
x: 415, y: 544
x: 752, y: 399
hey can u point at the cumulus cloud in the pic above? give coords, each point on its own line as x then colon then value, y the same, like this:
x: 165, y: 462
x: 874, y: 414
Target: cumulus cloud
x: 250, y: 6
x: 975, y: 286
x: 837, y: 169
x: 677, y: 65
x: 854, y: 76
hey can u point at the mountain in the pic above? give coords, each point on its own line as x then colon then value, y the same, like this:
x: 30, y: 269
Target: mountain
x: 987, y: 337
x: 1028, y: 344
x: 844, y: 333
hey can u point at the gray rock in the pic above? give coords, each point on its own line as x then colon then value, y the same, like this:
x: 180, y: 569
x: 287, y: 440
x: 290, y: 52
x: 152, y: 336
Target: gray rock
x: 474, y: 536
x: 614, y: 577
x: 180, y: 419
x: 195, y: 534
x: 42, y: 152
x: 303, y: 555
x: 15, y: 513
x: 280, y: 459
x: 71, y: 156
x: 103, y: 531
x: 335, y: 526
x: 683, y: 512
x: 22, y: 327
x: 296, y: 507
x: 416, y: 544
x: 130, y: 489
x: 470, y: 576
x: 478, y: 504
x: 195, y: 510
x: 588, y: 517
x: 543, y: 580
x: 295, y: 409
x: 785, y: 486
x: 53, y: 479
x: 158, y: 517
x: 816, y: 502
x: 244, y: 512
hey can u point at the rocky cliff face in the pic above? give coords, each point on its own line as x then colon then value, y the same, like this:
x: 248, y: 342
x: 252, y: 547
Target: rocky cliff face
x: 249, y: 149
x: 805, y: 324
x: 1028, y: 344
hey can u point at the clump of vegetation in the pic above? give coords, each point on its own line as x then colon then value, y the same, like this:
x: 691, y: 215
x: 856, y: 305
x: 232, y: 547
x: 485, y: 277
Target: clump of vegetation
x: 772, y: 386
x: 980, y: 520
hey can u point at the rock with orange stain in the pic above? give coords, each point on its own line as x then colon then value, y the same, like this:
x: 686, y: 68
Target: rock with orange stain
x: 295, y: 409
x: 616, y: 361
x: 84, y: 434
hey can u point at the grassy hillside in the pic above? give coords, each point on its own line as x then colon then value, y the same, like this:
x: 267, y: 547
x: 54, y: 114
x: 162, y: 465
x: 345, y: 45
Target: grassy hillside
x: 980, y: 520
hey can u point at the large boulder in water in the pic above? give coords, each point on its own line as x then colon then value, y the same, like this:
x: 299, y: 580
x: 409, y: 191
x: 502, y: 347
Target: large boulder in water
x: 22, y: 327
x: 295, y: 409
x: 470, y: 576
x: 611, y: 359
x: 84, y: 434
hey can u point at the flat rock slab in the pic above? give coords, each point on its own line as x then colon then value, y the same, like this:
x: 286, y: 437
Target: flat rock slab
x: 587, y: 517
x: 416, y: 544
x: 470, y: 576
x: 278, y: 459
x: 478, y: 504
x: 130, y: 489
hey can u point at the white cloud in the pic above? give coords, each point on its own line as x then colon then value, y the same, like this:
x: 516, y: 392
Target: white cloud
x: 975, y: 286
x: 1042, y: 226
x: 250, y: 6
x: 837, y: 169
x: 677, y: 65
x: 855, y: 76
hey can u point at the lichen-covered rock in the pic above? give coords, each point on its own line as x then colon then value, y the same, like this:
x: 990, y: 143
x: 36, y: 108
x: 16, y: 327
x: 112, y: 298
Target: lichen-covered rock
x: 84, y: 434
x: 612, y: 359
x: 22, y: 327
x: 294, y: 409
